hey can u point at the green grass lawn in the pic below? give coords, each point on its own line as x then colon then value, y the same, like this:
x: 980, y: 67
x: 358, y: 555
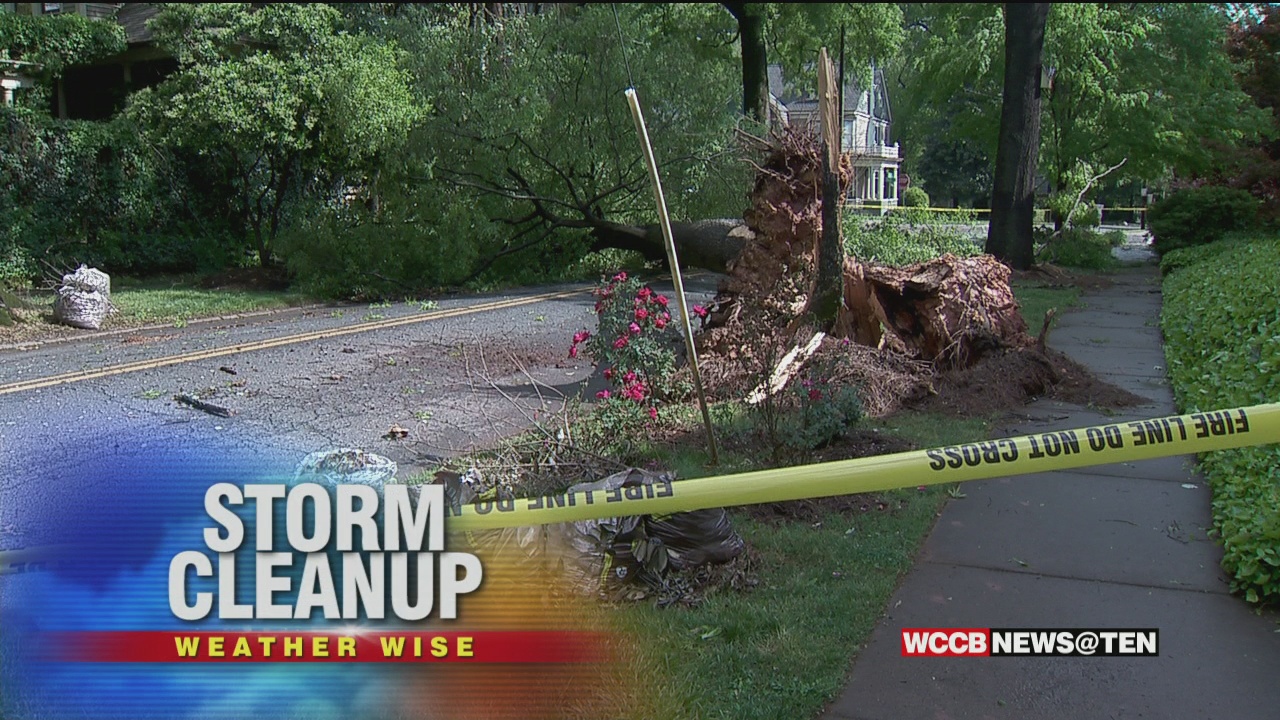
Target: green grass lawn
x: 784, y: 648
x: 166, y: 300
x: 1036, y: 298
x: 145, y: 305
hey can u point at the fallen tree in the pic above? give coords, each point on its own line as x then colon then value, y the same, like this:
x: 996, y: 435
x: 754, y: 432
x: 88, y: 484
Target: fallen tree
x: 942, y: 336
x: 709, y: 244
x: 949, y: 311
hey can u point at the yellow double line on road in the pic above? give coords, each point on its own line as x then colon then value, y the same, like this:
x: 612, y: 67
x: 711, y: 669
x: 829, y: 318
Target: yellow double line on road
x: 72, y: 377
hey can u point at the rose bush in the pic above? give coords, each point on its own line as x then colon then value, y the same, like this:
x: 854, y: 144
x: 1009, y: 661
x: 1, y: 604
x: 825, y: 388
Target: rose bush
x: 634, y: 341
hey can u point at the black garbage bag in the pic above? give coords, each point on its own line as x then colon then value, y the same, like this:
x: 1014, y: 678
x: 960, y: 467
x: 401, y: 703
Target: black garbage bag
x: 654, y: 543
x: 593, y: 555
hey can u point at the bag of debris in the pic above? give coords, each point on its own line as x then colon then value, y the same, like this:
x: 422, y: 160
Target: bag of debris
x: 80, y: 308
x: 87, y: 279
x: 655, y: 542
x: 346, y: 466
x: 699, y: 537
x: 593, y: 555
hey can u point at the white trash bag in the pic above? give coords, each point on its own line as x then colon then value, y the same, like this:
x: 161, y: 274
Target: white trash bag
x: 88, y: 279
x: 346, y: 466
x: 81, y: 309
x: 84, y: 300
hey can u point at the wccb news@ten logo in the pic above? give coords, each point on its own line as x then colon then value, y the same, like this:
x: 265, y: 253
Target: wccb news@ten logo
x: 1030, y: 642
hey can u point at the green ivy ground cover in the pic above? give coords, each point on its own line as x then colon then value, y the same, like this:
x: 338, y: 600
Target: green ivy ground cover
x: 1221, y: 322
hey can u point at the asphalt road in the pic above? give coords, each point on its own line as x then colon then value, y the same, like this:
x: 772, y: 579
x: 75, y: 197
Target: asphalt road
x: 454, y: 381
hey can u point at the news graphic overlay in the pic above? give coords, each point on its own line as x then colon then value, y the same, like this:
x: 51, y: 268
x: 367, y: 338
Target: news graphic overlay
x: 1030, y: 642
x: 198, y: 585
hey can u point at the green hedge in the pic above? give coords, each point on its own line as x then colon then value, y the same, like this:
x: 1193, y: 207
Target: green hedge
x: 1200, y: 215
x: 1221, y: 324
x: 96, y: 193
x: 915, y: 197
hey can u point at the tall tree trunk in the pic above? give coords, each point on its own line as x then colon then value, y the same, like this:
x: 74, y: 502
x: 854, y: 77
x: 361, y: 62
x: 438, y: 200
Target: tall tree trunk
x: 755, y: 58
x: 1013, y: 195
x: 828, y: 290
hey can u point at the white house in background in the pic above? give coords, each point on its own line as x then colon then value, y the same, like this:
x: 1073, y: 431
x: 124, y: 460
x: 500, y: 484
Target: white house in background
x: 866, y: 119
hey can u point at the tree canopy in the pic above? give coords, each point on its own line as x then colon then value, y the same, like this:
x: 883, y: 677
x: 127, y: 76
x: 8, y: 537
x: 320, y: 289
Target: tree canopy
x: 276, y: 101
x: 409, y: 145
x: 1147, y: 83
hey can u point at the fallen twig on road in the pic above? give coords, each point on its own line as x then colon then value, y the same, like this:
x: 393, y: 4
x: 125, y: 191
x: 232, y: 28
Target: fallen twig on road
x: 203, y: 406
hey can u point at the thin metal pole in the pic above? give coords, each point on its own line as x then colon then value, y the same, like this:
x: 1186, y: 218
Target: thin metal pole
x: 664, y: 219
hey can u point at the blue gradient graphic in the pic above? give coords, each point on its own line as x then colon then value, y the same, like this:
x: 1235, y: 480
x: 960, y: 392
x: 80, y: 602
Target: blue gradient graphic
x: 120, y: 519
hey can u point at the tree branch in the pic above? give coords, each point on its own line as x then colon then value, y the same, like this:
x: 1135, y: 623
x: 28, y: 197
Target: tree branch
x: 1067, y: 221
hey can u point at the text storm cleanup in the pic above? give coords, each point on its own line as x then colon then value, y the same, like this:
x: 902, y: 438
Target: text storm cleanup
x: 400, y: 555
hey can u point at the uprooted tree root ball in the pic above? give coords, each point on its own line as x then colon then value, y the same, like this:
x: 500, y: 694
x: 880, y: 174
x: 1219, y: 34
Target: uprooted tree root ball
x: 942, y: 335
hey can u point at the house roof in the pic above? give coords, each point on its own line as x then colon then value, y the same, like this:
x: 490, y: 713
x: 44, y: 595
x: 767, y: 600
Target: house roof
x: 133, y: 18
x: 855, y: 99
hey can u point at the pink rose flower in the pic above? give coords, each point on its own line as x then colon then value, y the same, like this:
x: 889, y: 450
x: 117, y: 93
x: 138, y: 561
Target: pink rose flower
x: 634, y: 328
x: 620, y: 343
x: 629, y: 378
x: 573, y: 351
x: 581, y: 336
x: 602, y: 395
x: 699, y: 311
x: 608, y: 373
x: 661, y: 300
x: 653, y: 413
x: 641, y: 314
x: 660, y: 323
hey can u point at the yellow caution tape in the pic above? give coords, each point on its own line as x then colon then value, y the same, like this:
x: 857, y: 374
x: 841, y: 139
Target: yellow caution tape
x: 1051, y: 450
x: 1039, y: 452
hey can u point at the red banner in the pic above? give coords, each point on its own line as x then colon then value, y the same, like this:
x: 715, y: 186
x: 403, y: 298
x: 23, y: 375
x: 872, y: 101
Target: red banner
x: 481, y: 646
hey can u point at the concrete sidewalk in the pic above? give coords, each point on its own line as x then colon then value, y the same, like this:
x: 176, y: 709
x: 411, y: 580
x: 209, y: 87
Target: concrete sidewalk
x: 1114, y: 546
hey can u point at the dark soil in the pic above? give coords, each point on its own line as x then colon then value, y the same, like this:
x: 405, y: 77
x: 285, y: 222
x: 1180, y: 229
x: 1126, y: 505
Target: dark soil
x: 1008, y: 380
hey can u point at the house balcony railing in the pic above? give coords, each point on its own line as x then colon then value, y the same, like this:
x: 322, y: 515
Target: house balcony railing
x: 875, y: 152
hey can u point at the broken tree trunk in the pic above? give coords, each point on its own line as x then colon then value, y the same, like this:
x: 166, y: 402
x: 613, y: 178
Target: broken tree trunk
x: 827, y: 298
x: 707, y: 244
x: 950, y: 311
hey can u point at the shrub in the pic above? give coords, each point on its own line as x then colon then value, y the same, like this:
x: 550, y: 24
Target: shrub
x: 1079, y: 247
x: 915, y: 197
x: 1200, y: 215
x: 16, y: 267
x: 635, y: 339
x: 1085, y: 216
x: 824, y: 411
x: 405, y: 251
x: 1221, y: 323
x: 907, y: 236
x: 93, y: 192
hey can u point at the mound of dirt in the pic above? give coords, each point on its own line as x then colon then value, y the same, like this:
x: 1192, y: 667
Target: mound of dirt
x: 945, y: 335
x: 1012, y: 378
